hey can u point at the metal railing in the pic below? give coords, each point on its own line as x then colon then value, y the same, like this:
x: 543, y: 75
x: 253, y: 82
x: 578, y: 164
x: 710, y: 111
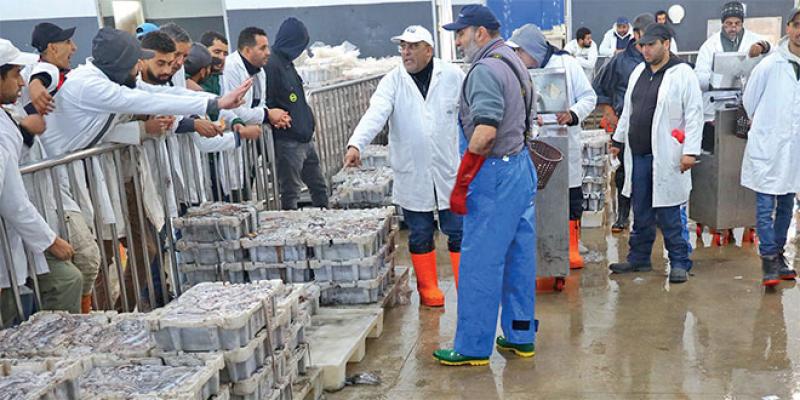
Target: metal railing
x: 145, y: 186
x: 337, y: 109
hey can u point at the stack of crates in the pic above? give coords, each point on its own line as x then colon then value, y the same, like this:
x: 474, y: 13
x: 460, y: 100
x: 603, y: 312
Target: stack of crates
x: 367, y: 186
x: 258, y: 330
x: 210, y: 248
x: 100, y: 355
x: 595, y: 169
x: 349, y: 253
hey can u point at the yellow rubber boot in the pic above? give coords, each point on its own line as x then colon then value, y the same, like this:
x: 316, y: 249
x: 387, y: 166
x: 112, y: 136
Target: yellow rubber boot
x: 427, y: 282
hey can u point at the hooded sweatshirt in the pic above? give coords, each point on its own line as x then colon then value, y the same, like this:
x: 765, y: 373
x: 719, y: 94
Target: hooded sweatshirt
x: 284, y: 85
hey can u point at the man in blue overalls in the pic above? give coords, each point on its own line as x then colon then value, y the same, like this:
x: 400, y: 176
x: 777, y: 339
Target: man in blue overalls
x: 495, y: 189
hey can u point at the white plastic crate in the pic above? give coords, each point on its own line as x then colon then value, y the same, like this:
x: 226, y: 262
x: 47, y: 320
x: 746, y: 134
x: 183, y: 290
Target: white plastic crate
x: 213, y: 222
x: 357, y: 292
x: 192, y: 274
x: 289, y: 272
x: 41, y: 379
x: 180, y: 377
x: 210, y: 253
x: 216, y: 316
x: 59, y: 334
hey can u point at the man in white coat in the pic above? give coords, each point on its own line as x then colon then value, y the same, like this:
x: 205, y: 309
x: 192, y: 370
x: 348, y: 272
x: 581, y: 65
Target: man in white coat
x: 660, y: 127
x: 731, y: 38
x: 617, y: 38
x: 584, y: 49
x: 536, y: 52
x: 770, y: 166
x: 60, y: 282
x: 420, y: 102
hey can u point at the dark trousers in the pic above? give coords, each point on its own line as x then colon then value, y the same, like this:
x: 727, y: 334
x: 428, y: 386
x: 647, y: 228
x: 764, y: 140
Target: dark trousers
x: 575, y: 203
x: 298, y: 163
x: 421, y: 226
x: 646, y: 218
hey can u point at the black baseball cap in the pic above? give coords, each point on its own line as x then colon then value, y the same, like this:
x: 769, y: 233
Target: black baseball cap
x: 46, y: 33
x: 655, y: 32
x: 198, y: 58
x: 474, y: 15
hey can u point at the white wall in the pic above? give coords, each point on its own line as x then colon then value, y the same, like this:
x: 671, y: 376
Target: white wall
x: 47, y: 9
x: 165, y: 9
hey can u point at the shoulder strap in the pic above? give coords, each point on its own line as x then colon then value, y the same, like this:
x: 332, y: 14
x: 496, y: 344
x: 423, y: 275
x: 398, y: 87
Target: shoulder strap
x: 102, y: 132
x: 527, y: 100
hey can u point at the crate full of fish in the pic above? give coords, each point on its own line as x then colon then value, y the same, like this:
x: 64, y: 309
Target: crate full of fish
x: 211, y: 222
x: 356, y: 292
x: 375, y: 156
x: 192, y: 274
x: 60, y: 334
x: 210, y: 253
x: 215, y: 316
x: 179, y: 377
x: 362, y: 187
x: 39, y: 379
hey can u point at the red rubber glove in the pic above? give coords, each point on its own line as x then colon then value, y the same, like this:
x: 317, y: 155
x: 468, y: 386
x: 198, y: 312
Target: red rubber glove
x: 470, y: 165
x: 679, y: 135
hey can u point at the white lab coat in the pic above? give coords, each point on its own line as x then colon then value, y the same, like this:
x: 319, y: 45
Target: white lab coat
x: 582, y: 100
x: 423, y: 134
x: 609, y: 44
x: 25, y: 227
x: 587, y: 57
x: 705, y: 60
x: 771, y: 163
x: 234, y: 75
x: 680, y: 106
x: 85, y: 102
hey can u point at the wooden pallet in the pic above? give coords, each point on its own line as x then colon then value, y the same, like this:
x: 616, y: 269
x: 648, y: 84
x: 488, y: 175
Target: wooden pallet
x: 308, y: 386
x: 338, y: 335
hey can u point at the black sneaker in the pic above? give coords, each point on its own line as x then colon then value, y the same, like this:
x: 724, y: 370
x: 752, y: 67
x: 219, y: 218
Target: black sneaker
x: 619, y: 226
x: 785, y: 272
x: 678, y: 275
x: 626, y: 267
x: 770, y: 267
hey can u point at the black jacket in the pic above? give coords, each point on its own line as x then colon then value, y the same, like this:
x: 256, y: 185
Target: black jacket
x: 284, y: 85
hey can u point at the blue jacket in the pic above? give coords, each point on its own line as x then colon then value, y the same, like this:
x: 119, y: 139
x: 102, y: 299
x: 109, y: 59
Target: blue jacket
x: 611, y: 82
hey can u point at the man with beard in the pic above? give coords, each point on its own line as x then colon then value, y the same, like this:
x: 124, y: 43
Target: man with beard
x: 661, y: 141
x: 495, y: 189
x: 584, y: 50
x: 423, y: 151
x: 217, y: 44
x: 298, y: 161
x: 96, y: 92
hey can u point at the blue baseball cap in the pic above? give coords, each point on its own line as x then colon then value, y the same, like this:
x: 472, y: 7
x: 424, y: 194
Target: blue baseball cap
x: 145, y: 28
x: 623, y: 21
x: 474, y: 15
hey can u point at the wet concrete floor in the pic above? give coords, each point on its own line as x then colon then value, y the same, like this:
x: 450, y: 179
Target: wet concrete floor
x: 719, y: 336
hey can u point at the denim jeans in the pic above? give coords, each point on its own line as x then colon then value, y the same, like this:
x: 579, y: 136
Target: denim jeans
x: 773, y: 216
x: 421, y: 226
x: 646, y: 218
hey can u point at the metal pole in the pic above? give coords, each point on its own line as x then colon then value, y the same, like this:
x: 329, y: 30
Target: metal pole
x: 132, y: 256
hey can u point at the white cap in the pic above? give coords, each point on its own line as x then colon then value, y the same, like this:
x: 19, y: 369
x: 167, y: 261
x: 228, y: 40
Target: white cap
x: 511, y: 44
x: 11, y: 55
x: 414, y: 34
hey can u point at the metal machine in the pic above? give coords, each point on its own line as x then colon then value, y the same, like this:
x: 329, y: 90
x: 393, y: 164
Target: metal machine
x: 717, y: 199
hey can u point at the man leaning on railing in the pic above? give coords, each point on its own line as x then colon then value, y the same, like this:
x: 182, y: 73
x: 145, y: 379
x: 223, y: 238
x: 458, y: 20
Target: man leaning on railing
x: 59, y: 280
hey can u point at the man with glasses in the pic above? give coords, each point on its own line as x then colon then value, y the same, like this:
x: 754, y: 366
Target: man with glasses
x: 420, y: 101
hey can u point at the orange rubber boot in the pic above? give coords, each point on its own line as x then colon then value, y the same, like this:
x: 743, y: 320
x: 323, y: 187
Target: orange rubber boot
x: 455, y: 261
x: 575, y: 259
x: 86, y: 304
x: 427, y: 282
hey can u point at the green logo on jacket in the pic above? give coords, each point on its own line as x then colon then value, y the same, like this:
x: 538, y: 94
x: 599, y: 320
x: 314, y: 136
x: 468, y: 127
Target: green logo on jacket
x: 293, y: 97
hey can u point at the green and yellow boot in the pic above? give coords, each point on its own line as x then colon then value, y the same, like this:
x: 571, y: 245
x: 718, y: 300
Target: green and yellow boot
x: 451, y: 358
x: 522, y: 350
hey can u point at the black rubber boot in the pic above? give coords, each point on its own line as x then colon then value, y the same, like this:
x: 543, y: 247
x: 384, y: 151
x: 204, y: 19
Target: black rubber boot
x: 677, y: 275
x: 626, y: 267
x: 770, y: 267
x: 784, y: 272
x: 623, y: 211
